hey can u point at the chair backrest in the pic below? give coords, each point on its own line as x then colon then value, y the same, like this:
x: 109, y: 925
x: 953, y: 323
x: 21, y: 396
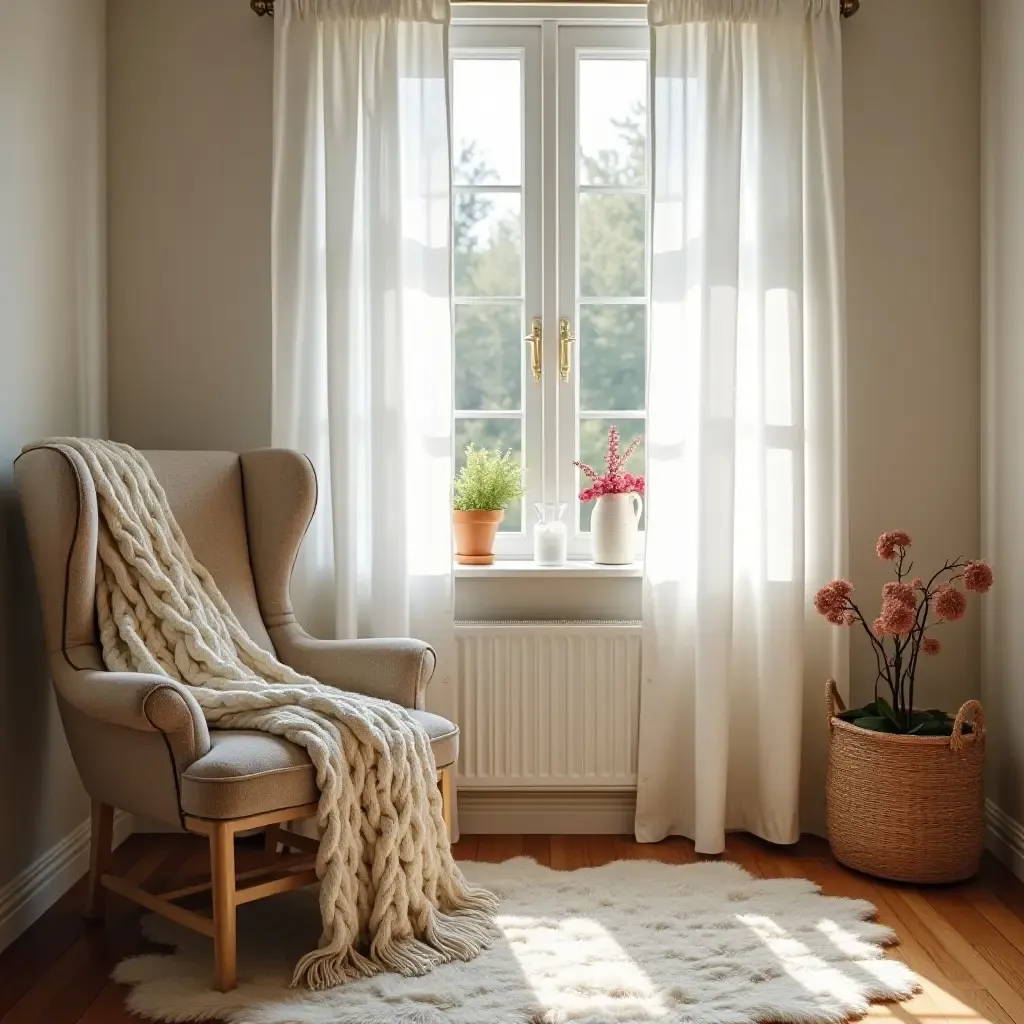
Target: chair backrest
x: 208, y: 496
x: 204, y: 490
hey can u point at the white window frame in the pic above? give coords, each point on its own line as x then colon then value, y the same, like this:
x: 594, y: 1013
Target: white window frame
x: 549, y: 41
x: 521, y: 42
x: 576, y: 42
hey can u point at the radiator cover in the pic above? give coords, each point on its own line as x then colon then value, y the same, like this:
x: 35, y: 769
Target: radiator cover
x: 548, y: 705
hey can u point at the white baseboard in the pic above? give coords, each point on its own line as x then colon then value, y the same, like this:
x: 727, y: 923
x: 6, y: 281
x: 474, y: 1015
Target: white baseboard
x: 33, y: 891
x: 1005, y: 838
x: 518, y: 812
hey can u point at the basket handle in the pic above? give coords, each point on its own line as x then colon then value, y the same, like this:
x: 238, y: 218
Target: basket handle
x: 833, y: 701
x: 971, y: 711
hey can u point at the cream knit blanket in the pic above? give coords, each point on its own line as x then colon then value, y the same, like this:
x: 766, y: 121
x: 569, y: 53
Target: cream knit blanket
x: 391, y: 895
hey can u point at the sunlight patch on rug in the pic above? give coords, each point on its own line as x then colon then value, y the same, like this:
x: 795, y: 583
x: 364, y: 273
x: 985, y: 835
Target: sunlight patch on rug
x: 628, y: 943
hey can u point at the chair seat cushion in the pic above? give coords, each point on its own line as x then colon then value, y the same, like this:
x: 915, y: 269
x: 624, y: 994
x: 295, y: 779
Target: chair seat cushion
x: 248, y: 772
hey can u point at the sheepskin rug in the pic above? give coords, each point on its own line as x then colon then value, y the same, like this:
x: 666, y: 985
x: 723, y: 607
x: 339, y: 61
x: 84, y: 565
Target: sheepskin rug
x: 633, y: 941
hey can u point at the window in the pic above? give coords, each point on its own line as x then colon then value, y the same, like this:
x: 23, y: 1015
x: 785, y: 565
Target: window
x: 552, y: 200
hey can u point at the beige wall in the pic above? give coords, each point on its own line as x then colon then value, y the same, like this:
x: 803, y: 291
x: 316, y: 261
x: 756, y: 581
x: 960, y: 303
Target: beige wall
x: 911, y: 87
x: 1003, y: 403
x: 189, y: 152
x: 51, y: 326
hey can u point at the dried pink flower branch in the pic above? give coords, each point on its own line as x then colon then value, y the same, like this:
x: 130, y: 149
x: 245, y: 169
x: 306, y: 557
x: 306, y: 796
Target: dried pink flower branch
x: 614, y: 480
x: 898, y: 635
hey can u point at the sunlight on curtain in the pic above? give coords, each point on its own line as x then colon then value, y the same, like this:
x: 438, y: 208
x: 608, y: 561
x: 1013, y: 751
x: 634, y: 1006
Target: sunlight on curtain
x: 362, y: 324
x: 745, y: 412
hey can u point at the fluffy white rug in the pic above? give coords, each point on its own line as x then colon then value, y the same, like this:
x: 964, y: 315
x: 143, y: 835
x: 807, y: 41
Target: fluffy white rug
x: 633, y: 941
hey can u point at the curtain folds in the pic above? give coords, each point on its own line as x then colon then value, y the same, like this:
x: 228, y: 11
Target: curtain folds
x: 746, y: 417
x: 361, y: 307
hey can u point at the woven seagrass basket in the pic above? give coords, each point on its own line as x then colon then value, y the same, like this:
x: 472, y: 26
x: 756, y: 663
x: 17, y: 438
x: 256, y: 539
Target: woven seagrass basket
x: 906, y: 808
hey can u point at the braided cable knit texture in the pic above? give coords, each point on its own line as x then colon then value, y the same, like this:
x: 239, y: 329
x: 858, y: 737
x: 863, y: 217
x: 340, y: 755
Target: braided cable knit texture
x: 391, y: 896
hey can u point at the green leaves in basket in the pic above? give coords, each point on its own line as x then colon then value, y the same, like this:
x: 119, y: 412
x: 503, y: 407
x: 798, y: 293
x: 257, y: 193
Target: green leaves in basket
x: 881, y: 716
x: 877, y: 724
x: 894, y: 716
x: 868, y: 711
x: 933, y: 727
x: 935, y: 722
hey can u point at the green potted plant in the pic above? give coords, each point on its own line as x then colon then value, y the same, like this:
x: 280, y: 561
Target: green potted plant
x: 486, y: 485
x: 904, y: 792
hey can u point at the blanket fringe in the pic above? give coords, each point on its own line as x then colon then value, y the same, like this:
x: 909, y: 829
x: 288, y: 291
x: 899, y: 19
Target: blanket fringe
x: 461, y: 935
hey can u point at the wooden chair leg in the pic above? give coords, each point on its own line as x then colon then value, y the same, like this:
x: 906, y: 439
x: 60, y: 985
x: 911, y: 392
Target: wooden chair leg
x: 222, y: 872
x: 99, y: 856
x: 444, y: 778
x: 271, y: 840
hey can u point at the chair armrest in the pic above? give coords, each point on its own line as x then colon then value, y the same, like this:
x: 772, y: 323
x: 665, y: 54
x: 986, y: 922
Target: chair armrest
x: 395, y: 670
x: 137, y: 700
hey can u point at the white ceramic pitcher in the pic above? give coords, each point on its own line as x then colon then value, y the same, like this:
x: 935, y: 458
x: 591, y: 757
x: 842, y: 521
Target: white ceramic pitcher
x: 613, y: 528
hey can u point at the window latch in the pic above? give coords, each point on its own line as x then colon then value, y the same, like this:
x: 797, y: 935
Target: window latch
x: 533, y: 339
x: 565, y: 340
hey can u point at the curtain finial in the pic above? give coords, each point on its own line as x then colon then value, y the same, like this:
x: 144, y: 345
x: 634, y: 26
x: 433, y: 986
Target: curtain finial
x: 262, y: 7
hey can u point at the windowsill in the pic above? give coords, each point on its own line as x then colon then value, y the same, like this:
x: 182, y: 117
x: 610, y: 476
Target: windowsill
x: 502, y: 569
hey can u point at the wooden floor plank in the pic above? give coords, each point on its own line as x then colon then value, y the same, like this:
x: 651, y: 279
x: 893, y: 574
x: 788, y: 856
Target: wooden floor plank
x: 599, y: 850
x: 497, y: 848
x: 465, y: 848
x: 985, y: 975
x: 41, y: 945
x: 539, y: 848
x: 567, y: 853
x: 983, y: 936
x: 1001, y: 882
x: 108, y: 1007
x: 1004, y: 920
x: 739, y: 850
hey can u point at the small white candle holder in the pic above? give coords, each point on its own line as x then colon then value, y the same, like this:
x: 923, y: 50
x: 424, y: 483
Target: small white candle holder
x: 550, y: 536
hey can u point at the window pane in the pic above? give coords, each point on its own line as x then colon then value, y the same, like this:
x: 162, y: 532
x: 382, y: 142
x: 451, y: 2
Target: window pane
x: 612, y: 245
x: 486, y: 122
x: 488, y: 357
x: 594, y: 444
x: 501, y: 434
x: 488, y: 251
x: 613, y: 122
x: 612, y: 356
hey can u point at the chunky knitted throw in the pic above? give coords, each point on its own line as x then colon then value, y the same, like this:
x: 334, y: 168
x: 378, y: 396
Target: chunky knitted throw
x: 391, y: 895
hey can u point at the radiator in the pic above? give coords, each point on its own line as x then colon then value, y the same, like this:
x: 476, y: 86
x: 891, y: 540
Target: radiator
x: 548, y: 704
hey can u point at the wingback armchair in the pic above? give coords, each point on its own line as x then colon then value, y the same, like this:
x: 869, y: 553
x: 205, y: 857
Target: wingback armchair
x: 140, y: 742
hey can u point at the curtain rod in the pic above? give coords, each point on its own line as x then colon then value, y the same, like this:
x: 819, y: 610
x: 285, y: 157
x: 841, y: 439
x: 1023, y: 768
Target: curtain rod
x: 847, y: 8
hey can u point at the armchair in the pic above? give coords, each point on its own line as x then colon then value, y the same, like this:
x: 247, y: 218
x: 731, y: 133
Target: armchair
x: 140, y: 742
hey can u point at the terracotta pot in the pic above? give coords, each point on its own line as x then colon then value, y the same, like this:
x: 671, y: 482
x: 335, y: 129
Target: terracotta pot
x: 474, y: 535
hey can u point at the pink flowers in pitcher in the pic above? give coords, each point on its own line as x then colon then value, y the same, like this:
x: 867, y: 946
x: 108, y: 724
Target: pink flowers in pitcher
x: 614, y: 480
x: 900, y: 633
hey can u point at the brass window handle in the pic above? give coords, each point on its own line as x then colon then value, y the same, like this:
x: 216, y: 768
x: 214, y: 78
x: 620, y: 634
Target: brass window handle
x: 533, y: 339
x: 565, y: 341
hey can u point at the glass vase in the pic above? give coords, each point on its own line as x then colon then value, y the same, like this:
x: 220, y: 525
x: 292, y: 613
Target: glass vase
x: 550, y: 537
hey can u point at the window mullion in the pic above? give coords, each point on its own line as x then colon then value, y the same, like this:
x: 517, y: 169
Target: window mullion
x: 534, y: 454
x: 564, y: 186
x: 548, y: 128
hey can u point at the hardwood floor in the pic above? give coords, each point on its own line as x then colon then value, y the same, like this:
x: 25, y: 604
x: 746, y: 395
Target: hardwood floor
x: 966, y: 942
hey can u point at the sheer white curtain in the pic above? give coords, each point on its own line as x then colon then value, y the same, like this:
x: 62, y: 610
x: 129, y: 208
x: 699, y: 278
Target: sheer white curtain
x: 362, y: 324
x: 745, y: 432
